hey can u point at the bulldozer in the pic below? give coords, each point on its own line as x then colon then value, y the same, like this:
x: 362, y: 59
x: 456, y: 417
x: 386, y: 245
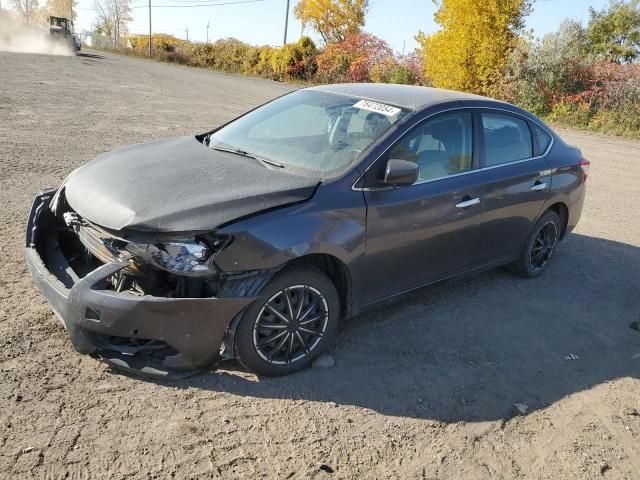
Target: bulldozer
x: 61, y: 30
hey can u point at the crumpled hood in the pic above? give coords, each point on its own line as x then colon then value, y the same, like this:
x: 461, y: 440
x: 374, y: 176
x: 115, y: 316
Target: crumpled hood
x: 178, y: 185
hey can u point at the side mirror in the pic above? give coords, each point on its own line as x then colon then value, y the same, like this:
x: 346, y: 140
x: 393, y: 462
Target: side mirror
x: 401, y: 173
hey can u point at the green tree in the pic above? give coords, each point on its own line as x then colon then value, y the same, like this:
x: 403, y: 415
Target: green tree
x: 334, y: 20
x: 543, y: 70
x: 614, y: 32
x: 472, y: 49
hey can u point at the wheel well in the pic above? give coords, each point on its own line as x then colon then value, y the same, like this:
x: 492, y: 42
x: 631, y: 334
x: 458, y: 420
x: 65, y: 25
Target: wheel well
x: 336, y: 270
x: 563, y: 212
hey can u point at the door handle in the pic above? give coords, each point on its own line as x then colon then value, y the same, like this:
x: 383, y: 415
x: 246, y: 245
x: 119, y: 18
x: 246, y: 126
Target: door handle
x: 468, y: 203
x: 538, y: 186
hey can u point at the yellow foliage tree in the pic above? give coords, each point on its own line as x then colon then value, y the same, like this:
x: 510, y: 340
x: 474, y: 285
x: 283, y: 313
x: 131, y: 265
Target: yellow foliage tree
x: 473, y: 47
x: 334, y: 20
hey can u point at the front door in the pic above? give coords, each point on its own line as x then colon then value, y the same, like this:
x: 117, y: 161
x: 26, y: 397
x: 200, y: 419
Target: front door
x: 430, y: 230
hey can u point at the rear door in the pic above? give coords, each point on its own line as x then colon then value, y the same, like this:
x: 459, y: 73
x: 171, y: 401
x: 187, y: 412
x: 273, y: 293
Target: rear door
x: 430, y: 230
x: 517, y: 181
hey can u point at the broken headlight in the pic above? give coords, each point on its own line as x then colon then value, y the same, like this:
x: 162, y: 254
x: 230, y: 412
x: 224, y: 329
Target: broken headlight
x: 193, y: 259
x: 183, y: 258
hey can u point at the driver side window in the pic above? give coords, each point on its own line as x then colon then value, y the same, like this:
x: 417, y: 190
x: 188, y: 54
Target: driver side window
x: 440, y: 146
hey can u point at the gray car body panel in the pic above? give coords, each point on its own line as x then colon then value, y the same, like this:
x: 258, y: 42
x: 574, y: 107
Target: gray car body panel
x: 178, y: 185
x: 395, y: 240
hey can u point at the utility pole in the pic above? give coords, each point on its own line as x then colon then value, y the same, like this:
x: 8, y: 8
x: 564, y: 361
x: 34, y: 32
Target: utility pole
x: 117, y: 27
x: 149, y: 27
x: 187, y: 30
x: 286, y: 24
x: 207, y: 32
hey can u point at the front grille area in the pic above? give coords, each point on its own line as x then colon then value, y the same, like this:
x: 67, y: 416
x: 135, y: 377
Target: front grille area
x: 61, y: 250
x: 101, y: 244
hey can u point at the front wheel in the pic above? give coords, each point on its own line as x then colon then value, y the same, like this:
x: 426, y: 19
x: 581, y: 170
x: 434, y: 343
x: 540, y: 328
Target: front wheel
x: 539, y: 249
x: 293, y: 321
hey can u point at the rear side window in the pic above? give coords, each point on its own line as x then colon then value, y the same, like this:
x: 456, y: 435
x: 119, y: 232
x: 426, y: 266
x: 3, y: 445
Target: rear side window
x: 541, y: 139
x: 506, y: 139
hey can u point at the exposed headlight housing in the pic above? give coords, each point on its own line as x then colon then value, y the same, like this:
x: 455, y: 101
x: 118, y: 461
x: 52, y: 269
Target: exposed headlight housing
x: 189, y: 258
x: 183, y: 258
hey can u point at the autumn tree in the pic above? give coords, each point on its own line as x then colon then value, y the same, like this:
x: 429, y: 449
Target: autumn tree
x: 353, y: 59
x: 62, y: 8
x: 474, y: 44
x: 614, y: 32
x: 113, y: 17
x: 334, y: 20
x: 28, y: 10
x: 295, y: 60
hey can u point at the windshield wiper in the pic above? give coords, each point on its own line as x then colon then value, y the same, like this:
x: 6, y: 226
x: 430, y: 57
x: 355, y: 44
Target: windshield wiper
x: 238, y: 151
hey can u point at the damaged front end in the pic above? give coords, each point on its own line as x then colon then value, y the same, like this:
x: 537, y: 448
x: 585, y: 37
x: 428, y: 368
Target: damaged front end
x: 152, y: 304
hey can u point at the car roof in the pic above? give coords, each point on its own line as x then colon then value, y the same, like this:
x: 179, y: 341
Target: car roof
x: 404, y: 96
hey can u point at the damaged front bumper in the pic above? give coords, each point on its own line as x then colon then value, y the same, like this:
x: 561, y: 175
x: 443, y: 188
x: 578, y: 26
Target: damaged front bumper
x: 146, y: 334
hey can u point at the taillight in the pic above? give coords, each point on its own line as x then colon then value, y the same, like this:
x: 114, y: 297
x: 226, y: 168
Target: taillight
x: 586, y: 166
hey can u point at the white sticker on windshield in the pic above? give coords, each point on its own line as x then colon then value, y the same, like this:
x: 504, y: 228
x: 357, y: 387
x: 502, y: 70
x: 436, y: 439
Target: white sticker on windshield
x: 387, y: 110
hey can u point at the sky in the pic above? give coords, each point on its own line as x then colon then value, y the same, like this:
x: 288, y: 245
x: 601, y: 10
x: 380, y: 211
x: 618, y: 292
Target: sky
x: 261, y: 22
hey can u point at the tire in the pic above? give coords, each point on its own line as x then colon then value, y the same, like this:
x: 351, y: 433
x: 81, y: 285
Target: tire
x: 268, y: 322
x: 539, y: 248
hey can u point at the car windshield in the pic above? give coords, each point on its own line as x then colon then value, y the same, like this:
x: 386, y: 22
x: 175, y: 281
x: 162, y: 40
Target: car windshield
x: 311, y: 130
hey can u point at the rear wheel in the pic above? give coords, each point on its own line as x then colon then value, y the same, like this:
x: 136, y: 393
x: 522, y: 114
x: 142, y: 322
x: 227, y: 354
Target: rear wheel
x: 294, y: 320
x: 540, y: 247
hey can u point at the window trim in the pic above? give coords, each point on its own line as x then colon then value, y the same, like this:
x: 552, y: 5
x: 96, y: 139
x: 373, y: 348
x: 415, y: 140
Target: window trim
x: 477, y: 112
x: 536, y: 144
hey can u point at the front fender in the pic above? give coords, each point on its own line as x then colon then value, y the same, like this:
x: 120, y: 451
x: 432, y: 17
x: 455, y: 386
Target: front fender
x: 333, y: 222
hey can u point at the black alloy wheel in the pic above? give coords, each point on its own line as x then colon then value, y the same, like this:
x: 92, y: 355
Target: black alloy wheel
x: 539, y: 248
x: 294, y: 320
x: 291, y: 324
x: 543, y: 246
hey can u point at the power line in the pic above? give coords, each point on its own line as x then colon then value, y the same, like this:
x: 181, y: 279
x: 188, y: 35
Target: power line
x: 189, y: 4
x: 202, y: 4
x: 217, y: 2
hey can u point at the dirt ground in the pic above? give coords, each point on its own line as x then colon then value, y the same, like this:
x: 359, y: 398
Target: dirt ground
x: 422, y: 388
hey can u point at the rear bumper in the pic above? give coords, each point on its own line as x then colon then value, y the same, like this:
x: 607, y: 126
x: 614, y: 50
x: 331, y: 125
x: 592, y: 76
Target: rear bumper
x: 193, y: 328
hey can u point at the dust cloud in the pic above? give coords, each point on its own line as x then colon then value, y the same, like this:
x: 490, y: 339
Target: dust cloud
x: 18, y: 37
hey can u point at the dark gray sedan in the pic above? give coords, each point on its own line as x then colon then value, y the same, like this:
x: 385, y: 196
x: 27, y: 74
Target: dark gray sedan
x: 253, y: 241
